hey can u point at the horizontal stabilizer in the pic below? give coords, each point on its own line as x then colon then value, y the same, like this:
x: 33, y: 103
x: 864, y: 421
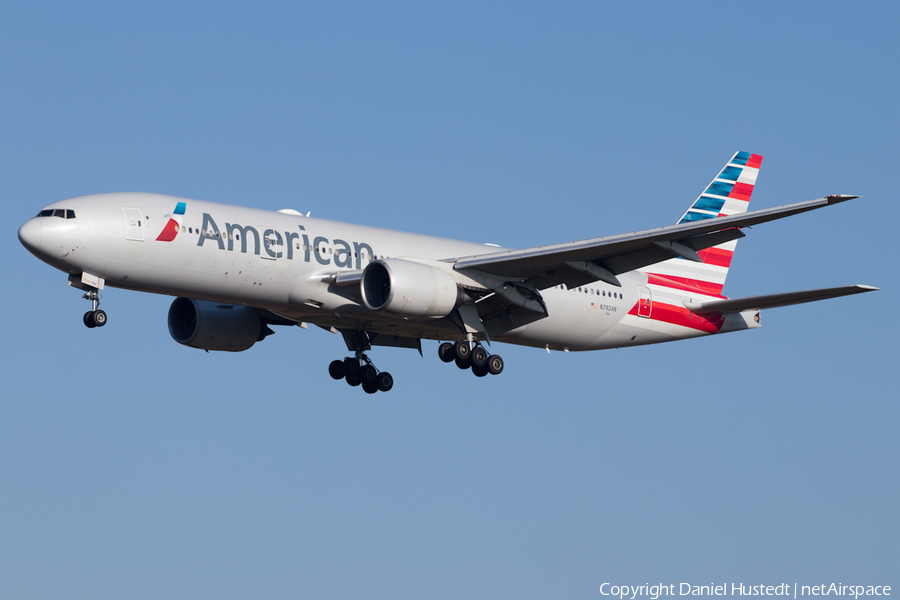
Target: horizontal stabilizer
x: 775, y: 300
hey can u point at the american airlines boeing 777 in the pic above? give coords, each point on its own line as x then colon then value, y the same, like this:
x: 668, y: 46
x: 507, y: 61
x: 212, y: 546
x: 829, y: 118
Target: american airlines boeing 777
x: 237, y: 271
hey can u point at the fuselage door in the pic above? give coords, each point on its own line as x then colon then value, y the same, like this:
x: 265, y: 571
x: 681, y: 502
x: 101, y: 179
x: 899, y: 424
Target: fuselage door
x: 645, y: 303
x: 272, y: 243
x: 134, y: 222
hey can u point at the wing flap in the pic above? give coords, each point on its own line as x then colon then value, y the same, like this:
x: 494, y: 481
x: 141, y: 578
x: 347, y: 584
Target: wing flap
x: 775, y: 300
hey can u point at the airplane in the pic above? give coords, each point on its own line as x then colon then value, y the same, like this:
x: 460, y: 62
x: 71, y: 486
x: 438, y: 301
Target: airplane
x: 236, y: 271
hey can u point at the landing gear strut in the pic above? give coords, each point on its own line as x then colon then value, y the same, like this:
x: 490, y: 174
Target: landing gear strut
x: 94, y: 317
x: 359, y: 370
x: 475, y: 357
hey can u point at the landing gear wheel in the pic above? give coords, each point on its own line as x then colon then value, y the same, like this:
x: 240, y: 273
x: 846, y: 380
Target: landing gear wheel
x: 385, y: 381
x: 99, y: 318
x: 445, y: 352
x: 462, y: 351
x: 495, y: 365
x: 463, y: 364
x: 351, y: 367
x: 479, y: 371
x: 336, y: 369
x: 370, y: 387
x: 368, y: 374
x: 352, y: 380
x: 479, y: 357
x: 94, y: 317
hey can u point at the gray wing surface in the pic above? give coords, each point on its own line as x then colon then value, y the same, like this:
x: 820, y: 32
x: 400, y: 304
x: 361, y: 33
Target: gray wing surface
x: 578, y: 263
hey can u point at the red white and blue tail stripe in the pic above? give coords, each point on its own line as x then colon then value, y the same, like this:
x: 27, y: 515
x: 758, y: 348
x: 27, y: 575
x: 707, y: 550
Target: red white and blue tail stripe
x: 728, y: 194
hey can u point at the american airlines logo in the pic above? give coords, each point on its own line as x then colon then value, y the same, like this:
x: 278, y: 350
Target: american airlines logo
x: 173, y: 224
x: 272, y: 243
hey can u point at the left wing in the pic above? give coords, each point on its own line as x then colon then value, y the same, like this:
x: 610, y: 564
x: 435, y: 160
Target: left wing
x: 578, y: 263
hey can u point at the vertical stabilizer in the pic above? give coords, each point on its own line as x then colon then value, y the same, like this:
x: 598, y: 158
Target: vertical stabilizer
x: 728, y: 194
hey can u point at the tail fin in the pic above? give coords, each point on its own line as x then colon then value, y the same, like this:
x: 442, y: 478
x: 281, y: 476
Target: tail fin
x: 728, y: 194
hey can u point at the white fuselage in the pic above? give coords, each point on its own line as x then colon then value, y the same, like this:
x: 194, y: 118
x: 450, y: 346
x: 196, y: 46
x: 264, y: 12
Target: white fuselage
x: 281, y: 261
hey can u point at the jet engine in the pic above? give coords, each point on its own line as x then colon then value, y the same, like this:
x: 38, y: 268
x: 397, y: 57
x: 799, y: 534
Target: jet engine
x: 214, y: 326
x: 409, y: 288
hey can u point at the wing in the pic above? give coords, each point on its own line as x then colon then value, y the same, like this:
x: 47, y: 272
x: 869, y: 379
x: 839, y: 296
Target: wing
x: 578, y: 263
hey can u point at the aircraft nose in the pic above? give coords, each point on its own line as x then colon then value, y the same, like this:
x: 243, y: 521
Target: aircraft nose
x: 30, y: 234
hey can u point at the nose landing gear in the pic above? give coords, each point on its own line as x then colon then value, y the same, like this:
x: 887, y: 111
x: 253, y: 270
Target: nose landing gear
x: 94, y: 317
x: 466, y: 356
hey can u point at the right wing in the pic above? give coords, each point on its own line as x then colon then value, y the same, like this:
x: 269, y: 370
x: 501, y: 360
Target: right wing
x: 579, y: 263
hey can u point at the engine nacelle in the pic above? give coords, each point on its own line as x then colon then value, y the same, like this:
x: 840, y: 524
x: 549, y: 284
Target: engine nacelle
x: 409, y: 288
x: 214, y: 326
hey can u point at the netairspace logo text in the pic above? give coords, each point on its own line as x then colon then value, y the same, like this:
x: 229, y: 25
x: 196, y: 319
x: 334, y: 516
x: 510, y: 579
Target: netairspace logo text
x: 654, y: 592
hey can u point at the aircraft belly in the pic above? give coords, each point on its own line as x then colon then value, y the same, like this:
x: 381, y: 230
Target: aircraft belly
x: 173, y: 270
x: 575, y: 321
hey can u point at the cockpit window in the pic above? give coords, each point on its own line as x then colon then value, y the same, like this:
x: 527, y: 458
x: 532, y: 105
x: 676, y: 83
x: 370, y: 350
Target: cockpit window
x: 62, y: 213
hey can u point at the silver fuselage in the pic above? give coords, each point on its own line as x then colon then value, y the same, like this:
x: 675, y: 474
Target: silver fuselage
x: 281, y: 262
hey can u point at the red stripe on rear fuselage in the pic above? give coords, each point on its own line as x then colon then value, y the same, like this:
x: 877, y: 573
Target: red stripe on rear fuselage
x: 685, y: 284
x: 681, y: 316
x: 716, y: 256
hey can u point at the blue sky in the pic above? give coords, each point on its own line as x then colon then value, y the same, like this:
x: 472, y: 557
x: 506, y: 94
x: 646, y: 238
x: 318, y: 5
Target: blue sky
x: 131, y: 466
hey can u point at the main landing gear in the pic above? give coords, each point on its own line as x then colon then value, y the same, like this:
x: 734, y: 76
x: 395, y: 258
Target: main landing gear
x: 94, y: 317
x: 475, y: 357
x: 361, y: 371
x: 358, y: 369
